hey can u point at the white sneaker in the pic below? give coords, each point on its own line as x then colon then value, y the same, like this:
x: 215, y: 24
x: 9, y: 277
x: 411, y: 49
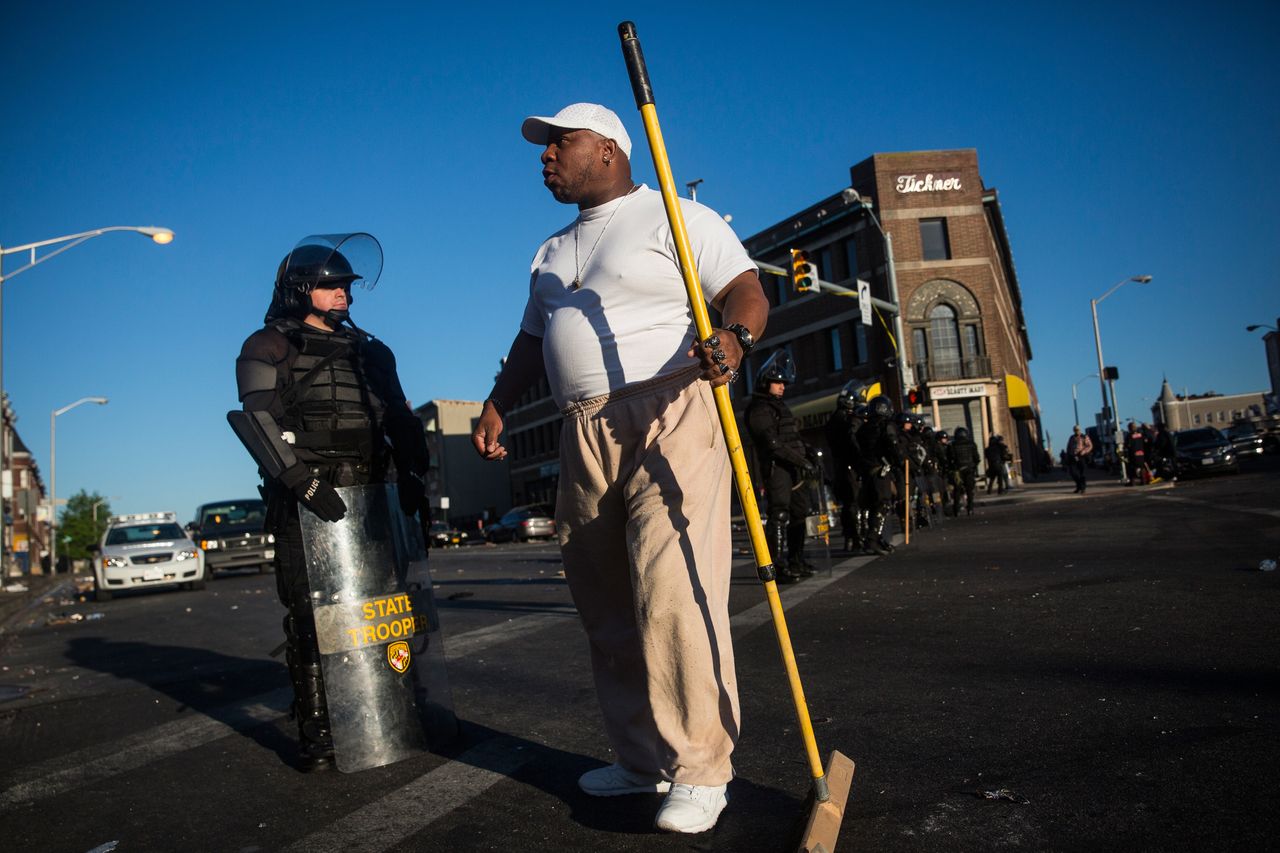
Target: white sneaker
x: 691, y: 808
x: 614, y: 780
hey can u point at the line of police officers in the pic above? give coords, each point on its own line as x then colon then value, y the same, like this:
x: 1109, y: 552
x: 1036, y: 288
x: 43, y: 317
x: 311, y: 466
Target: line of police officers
x: 873, y: 449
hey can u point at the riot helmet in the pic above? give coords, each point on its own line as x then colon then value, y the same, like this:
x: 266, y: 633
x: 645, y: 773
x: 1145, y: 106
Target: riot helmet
x: 778, y: 368
x: 324, y: 261
x: 852, y: 395
x: 880, y: 406
x: 961, y: 433
x: 862, y: 410
x: 942, y: 435
x: 903, y: 419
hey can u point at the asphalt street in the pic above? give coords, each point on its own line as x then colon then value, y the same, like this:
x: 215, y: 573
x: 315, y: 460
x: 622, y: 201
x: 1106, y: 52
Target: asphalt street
x: 1054, y: 673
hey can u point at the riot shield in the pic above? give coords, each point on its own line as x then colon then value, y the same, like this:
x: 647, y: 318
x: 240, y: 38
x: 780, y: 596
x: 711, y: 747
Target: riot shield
x: 818, y: 522
x: 381, y: 648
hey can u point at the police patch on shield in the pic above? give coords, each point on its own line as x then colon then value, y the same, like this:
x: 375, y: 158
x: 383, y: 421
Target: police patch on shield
x: 398, y: 656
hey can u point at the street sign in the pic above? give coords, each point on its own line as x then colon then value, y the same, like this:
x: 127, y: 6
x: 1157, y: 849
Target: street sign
x: 864, y: 301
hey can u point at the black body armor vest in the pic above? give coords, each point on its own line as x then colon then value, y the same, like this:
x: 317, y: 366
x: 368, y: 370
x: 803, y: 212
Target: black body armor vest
x: 331, y: 409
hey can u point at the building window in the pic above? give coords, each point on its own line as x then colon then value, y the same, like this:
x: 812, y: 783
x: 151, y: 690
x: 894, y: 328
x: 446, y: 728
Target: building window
x: 851, y: 257
x: 783, y: 288
x: 933, y: 240
x: 944, y: 343
x: 837, y: 355
x: 826, y: 271
x: 972, y: 348
x: 919, y: 347
x: 1196, y: 420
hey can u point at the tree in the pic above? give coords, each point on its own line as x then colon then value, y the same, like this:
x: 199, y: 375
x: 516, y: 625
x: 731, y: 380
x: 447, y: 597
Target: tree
x: 76, y: 528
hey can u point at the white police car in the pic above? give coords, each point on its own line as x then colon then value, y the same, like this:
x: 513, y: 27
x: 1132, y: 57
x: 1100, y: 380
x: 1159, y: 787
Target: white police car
x: 146, y: 549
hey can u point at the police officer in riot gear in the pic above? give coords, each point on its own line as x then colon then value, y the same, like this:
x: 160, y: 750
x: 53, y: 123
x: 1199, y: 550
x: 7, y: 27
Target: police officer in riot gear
x: 881, y: 457
x: 786, y: 466
x: 962, y: 460
x: 323, y: 408
x: 842, y: 436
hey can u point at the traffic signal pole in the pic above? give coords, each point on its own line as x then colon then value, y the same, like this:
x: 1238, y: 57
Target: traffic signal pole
x: 820, y: 286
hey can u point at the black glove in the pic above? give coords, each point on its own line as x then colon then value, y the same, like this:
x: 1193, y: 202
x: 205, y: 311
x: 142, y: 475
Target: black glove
x: 315, y: 494
x: 412, y: 491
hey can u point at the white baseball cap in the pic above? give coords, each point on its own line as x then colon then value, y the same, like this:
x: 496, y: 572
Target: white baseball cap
x: 602, y: 120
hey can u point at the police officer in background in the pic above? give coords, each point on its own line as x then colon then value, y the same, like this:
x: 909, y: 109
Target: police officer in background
x: 881, y: 459
x: 323, y: 408
x: 842, y: 437
x: 962, y: 459
x: 785, y: 465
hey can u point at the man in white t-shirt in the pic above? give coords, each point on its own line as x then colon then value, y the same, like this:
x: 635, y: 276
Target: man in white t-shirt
x: 643, y: 503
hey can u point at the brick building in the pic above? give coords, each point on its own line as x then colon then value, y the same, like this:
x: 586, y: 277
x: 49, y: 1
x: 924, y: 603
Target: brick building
x: 26, y: 535
x: 966, y: 342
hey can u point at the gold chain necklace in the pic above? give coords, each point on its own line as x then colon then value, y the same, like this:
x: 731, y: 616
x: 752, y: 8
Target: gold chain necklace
x: 577, y: 227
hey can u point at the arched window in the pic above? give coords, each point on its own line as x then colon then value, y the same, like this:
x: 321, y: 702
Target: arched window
x: 944, y: 342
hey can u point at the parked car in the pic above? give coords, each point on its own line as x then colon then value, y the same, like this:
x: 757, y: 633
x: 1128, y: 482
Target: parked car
x: 522, y: 523
x: 143, y: 550
x: 1245, y: 438
x: 232, y: 536
x: 444, y: 536
x: 1204, y: 450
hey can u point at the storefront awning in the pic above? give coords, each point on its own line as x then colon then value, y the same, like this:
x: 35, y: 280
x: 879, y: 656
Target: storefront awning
x: 1019, y: 397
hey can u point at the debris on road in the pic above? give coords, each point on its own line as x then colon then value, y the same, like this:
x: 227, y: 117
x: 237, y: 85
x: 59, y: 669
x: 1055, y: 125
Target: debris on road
x: 1006, y: 795
x: 64, y: 618
x: 1267, y: 566
x: 16, y: 587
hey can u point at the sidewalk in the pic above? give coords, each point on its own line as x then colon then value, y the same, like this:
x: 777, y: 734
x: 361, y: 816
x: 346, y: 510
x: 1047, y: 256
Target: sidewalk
x: 1057, y: 485
x: 15, y: 604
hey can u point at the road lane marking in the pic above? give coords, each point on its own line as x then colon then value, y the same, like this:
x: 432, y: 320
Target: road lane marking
x: 482, y: 638
x: 392, y: 818
x: 102, y: 761
x: 1270, y: 513
x: 746, y: 621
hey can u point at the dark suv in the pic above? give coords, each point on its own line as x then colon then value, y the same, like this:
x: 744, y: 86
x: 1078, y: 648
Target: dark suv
x: 231, y: 535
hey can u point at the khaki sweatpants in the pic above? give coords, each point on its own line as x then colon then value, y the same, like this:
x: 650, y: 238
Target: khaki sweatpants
x: 643, y: 520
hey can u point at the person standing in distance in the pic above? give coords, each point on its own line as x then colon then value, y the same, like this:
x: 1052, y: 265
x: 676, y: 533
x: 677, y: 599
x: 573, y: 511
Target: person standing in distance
x: 1079, y: 449
x: 642, y: 509
x: 785, y: 466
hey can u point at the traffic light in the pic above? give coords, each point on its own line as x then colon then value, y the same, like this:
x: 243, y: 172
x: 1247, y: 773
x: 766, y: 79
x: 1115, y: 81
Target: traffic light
x: 803, y: 275
x: 914, y: 397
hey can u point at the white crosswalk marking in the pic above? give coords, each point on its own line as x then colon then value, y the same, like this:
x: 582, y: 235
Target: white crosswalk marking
x: 394, y: 817
x: 102, y: 761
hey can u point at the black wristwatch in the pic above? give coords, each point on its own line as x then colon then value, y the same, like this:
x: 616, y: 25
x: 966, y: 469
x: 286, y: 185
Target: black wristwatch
x: 745, y: 338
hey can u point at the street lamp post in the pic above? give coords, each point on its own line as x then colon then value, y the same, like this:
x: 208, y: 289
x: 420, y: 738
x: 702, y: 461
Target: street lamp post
x: 53, y: 476
x: 159, y: 235
x: 1097, y: 339
x: 99, y: 503
x: 1075, y: 404
x: 850, y: 194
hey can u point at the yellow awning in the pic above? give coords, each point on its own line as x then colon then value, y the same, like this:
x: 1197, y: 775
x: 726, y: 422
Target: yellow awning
x: 1019, y: 396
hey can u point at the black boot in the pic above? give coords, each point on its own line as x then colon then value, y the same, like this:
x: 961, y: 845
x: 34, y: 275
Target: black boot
x: 876, y: 543
x: 315, y: 740
x: 795, y: 550
x: 777, y: 534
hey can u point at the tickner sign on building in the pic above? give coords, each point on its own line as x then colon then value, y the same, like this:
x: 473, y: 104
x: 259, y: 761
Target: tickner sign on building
x: 930, y: 183
x: 942, y: 392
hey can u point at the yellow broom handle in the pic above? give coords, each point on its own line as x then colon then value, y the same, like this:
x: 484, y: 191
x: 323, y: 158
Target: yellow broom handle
x: 728, y: 423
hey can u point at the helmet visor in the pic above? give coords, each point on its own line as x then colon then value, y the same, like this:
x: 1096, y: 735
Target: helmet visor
x: 334, y: 260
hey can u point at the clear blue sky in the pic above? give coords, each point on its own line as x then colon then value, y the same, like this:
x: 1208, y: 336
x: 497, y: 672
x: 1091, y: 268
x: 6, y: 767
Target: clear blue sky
x: 1124, y: 139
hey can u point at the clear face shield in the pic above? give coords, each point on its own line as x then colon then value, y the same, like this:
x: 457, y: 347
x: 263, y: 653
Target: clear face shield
x: 334, y: 260
x: 778, y: 368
